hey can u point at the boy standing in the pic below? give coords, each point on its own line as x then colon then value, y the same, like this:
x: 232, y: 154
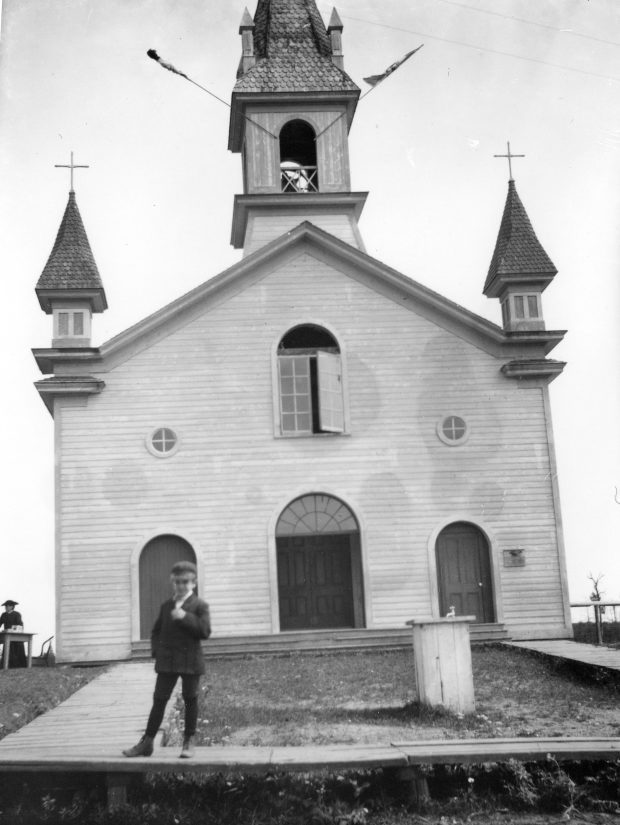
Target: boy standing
x: 175, y: 641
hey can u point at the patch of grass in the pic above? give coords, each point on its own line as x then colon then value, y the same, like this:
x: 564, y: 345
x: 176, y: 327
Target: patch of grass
x: 346, y: 697
x: 26, y: 693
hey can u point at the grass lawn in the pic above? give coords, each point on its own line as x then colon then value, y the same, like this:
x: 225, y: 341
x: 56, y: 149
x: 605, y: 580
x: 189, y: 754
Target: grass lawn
x: 370, y: 697
x: 26, y: 693
x: 348, y: 697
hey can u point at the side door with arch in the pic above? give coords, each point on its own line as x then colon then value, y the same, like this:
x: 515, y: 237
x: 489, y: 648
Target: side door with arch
x: 156, y: 560
x: 464, y: 572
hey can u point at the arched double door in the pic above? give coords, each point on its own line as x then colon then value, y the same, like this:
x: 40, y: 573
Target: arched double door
x: 156, y: 561
x: 319, y: 565
x: 464, y: 572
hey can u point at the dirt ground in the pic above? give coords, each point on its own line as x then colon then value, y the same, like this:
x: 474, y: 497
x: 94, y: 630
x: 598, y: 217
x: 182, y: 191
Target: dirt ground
x: 357, y: 698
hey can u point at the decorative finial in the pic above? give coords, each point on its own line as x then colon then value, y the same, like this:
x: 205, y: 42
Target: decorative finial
x: 71, y: 166
x: 510, y: 156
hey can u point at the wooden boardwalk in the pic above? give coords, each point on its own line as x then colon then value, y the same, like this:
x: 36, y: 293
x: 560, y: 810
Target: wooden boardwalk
x: 87, y: 732
x: 105, y: 716
x: 594, y: 655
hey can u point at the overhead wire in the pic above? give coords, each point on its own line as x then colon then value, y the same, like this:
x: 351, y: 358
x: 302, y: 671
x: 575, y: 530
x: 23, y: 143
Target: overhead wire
x: 482, y: 48
x: 530, y: 22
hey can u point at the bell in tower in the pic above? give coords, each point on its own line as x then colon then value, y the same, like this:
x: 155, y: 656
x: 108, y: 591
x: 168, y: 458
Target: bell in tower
x: 291, y: 111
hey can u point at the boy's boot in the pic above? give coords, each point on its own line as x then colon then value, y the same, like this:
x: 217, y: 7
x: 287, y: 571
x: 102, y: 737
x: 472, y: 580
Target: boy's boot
x: 189, y: 749
x: 143, y: 748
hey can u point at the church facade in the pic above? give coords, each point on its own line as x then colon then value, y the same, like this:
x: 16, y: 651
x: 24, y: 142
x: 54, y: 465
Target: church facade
x: 333, y: 444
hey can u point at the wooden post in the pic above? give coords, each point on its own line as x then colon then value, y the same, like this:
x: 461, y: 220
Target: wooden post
x: 443, y: 668
x: 599, y: 626
x: 116, y: 789
x: 415, y: 784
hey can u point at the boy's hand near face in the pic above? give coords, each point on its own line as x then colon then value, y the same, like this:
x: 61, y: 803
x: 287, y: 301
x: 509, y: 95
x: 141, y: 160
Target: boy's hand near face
x: 178, y: 613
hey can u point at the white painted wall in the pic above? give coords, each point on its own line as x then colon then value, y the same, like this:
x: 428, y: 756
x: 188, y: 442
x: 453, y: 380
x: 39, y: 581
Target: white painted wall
x: 212, y: 382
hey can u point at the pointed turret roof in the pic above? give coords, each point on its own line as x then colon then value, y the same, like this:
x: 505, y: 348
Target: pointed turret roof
x: 71, y: 264
x: 518, y: 254
x: 293, y: 51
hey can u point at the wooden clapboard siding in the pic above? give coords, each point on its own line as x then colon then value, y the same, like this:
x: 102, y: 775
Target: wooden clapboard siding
x: 212, y: 382
x: 263, y: 228
x: 262, y: 150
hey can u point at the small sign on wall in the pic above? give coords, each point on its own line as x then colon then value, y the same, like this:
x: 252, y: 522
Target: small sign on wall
x: 514, y: 557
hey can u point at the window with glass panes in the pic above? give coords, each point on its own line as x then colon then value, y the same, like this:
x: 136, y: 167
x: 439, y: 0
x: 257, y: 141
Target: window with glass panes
x: 295, y: 394
x: 453, y: 429
x: 310, y: 382
x: 70, y: 324
x: 526, y: 306
x: 163, y: 440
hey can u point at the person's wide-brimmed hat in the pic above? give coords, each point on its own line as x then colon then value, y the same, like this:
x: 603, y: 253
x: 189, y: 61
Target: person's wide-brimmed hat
x: 9, y: 603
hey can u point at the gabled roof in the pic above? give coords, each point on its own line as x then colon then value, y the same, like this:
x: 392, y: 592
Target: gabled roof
x: 71, y: 265
x: 306, y: 237
x: 518, y: 252
x: 293, y: 51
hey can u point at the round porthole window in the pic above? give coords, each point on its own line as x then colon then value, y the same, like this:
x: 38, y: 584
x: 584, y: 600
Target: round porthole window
x: 163, y: 442
x: 453, y: 430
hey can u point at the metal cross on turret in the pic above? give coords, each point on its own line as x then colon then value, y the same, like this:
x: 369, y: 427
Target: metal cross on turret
x: 71, y: 166
x: 510, y: 156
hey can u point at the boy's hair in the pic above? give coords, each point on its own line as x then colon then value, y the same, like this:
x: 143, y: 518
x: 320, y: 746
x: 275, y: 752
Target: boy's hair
x: 184, y: 567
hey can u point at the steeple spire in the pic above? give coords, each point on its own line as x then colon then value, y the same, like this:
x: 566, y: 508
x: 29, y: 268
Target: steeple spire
x: 70, y: 287
x: 520, y: 268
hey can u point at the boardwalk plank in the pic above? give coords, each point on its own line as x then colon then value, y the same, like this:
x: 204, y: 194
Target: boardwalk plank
x: 573, y: 651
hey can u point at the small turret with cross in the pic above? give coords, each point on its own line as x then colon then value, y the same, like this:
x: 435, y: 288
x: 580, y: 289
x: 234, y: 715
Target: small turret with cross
x: 520, y: 268
x: 70, y: 287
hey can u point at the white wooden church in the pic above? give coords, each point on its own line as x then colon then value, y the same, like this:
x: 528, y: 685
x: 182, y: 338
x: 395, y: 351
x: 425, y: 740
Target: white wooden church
x: 336, y: 446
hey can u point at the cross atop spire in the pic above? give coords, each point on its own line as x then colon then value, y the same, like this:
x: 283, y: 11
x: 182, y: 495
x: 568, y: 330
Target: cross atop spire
x: 510, y: 156
x: 71, y: 166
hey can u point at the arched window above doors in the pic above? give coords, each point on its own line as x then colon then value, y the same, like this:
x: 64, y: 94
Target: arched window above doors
x: 298, y: 167
x: 311, y: 397
x: 316, y: 513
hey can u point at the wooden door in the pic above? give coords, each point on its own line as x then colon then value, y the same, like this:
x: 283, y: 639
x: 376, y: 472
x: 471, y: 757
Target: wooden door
x: 464, y: 572
x: 315, y: 586
x: 156, y: 561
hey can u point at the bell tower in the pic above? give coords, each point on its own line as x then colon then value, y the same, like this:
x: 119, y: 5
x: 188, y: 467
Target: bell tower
x: 291, y: 111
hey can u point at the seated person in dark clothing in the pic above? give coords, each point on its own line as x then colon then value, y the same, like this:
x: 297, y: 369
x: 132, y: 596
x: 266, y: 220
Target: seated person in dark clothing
x: 11, y: 618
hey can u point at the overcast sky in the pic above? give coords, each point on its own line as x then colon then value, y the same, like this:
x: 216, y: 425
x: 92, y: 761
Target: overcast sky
x: 157, y: 200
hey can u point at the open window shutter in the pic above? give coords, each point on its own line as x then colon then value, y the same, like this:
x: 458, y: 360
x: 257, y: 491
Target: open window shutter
x: 331, y: 405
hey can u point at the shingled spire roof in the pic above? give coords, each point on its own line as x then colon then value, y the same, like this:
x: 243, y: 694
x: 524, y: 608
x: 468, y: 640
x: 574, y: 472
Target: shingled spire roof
x: 293, y: 51
x: 518, y: 253
x: 71, y: 265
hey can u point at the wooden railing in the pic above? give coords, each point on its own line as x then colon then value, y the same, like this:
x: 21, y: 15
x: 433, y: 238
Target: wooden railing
x: 296, y: 178
x: 600, y: 609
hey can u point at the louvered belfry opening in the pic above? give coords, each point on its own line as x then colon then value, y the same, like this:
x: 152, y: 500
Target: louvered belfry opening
x: 298, y: 166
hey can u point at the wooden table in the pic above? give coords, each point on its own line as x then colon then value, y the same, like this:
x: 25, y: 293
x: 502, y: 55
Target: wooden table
x: 8, y: 636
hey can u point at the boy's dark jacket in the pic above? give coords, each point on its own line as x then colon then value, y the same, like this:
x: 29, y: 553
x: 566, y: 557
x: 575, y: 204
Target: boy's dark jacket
x: 175, y: 643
